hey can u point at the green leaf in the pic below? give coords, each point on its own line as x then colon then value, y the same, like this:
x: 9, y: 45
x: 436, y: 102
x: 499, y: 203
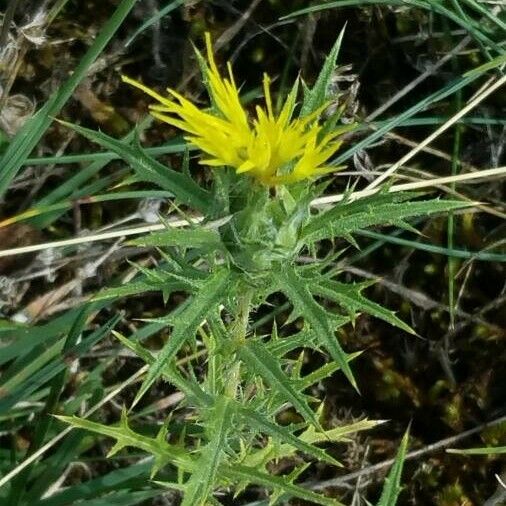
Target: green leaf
x: 149, y: 169
x: 250, y: 475
x: 162, y: 451
x: 380, y: 209
x: 202, y: 481
x: 186, y: 238
x: 283, y: 435
x: 318, y: 95
x: 318, y: 319
x: 189, y: 388
x: 392, y: 487
x: 349, y: 296
x: 211, y: 293
x: 261, y: 361
x: 74, y: 187
x: 324, y: 371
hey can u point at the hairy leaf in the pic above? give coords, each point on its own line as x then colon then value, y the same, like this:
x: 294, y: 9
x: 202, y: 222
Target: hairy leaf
x: 317, y: 96
x: 261, y: 361
x: 349, y: 296
x: 151, y: 170
x: 211, y: 293
x: 318, y: 319
x: 250, y: 475
x: 382, y: 209
x: 202, y: 481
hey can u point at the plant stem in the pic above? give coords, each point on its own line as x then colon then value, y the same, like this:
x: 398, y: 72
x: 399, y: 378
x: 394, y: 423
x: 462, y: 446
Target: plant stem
x: 238, y: 332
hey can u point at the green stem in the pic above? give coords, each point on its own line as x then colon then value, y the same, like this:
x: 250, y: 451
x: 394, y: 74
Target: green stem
x: 238, y: 333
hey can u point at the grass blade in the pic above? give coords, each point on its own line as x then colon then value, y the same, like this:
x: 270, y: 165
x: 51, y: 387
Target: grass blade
x: 30, y: 134
x: 392, y: 487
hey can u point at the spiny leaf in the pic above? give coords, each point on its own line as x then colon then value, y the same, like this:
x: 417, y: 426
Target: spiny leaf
x: 349, y: 297
x: 188, y: 387
x: 125, y: 436
x: 383, y: 209
x: 186, y: 324
x: 317, y: 318
x: 318, y: 95
x: 137, y: 288
x: 324, y: 372
x: 392, y: 487
x: 250, y: 475
x: 261, y: 361
x: 186, y: 238
x: 202, y: 481
x: 149, y: 169
x: 282, y: 434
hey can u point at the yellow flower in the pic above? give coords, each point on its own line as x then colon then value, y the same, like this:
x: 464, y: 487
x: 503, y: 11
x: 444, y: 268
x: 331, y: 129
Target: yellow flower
x: 274, y: 149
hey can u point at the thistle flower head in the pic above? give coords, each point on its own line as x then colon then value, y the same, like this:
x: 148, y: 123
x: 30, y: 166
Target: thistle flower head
x: 273, y: 148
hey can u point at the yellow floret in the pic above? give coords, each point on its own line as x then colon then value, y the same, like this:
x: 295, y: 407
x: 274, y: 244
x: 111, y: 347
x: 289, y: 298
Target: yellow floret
x: 264, y: 147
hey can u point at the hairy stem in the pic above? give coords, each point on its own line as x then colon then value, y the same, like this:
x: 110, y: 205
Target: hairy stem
x: 238, y: 332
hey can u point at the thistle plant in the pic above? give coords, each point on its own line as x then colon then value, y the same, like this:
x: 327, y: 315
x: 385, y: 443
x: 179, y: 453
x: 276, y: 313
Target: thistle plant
x: 257, y: 226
